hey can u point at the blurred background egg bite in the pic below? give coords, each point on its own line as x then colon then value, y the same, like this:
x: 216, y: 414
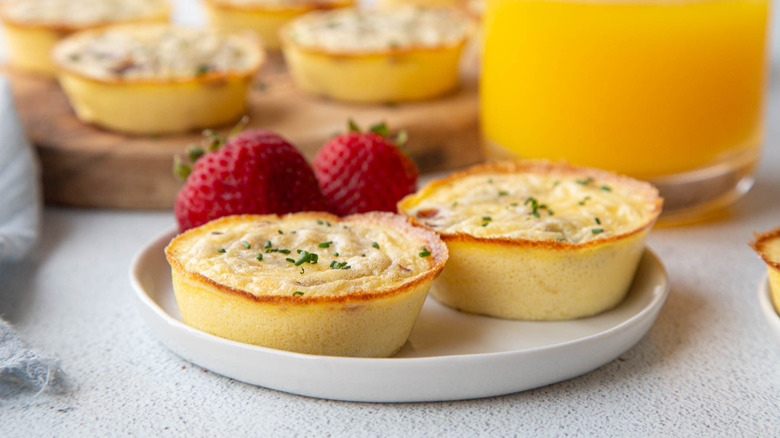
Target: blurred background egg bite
x: 377, y: 56
x: 32, y: 27
x: 157, y: 78
x: 535, y: 240
x: 767, y: 245
x: 307, y: 282
x: 264, y: 17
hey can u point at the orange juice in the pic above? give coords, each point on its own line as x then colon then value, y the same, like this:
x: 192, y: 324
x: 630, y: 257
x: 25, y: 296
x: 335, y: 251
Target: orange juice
x: 649, y: 88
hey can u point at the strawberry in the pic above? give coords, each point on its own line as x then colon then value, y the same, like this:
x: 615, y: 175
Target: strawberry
x: 364, y: 171
x: 255, y: 172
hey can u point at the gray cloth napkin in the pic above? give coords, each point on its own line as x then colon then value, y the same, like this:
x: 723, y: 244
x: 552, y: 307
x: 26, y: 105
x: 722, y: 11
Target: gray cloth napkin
x: 22, y: 369
x: 25, y: 370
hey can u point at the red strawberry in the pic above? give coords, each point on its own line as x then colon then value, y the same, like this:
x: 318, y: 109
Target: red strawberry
x: 361, y: 172
x: 255, y: 172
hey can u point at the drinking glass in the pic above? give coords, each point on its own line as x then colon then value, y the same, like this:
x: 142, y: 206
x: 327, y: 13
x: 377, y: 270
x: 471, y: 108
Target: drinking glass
x: 669, y: 91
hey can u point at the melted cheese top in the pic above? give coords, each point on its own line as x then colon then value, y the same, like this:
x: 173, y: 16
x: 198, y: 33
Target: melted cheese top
x: 350, y: 256
x: 81, y: 13
x: 358, y: 31
x: 159, y: 52
x: 533, y: 207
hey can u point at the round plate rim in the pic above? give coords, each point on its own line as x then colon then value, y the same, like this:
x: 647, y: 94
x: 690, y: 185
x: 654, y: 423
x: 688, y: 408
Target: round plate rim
x: 767, y: 307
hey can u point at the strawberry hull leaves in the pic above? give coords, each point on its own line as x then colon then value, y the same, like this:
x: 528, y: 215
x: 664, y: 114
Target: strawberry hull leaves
x: 256, y: 172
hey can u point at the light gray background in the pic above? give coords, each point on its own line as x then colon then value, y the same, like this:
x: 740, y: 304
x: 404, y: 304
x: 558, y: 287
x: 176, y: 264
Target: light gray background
x: 708, y: 367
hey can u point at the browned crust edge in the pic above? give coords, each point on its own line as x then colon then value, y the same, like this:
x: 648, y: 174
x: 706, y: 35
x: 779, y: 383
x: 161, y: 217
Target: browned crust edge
x: 760, y: 243
x: 209, y: 77
x: 163, y: 15
x: 436, y: 246
x: 459, y: 45
x: 539, y: 166
x: 303, y: 7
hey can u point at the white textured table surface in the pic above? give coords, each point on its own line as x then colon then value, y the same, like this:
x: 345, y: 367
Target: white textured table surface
x: 708, y: 367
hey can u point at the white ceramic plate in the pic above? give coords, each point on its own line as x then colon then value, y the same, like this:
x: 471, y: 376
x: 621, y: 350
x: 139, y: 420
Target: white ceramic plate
x: 765, y: 301
x: 449, y: 356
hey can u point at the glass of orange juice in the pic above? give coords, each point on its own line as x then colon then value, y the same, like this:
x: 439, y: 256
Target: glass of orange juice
x: 670, y: 91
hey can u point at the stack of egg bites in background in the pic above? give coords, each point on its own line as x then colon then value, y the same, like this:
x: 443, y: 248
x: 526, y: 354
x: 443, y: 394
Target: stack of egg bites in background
x: 125, y: 69
x: 524, y: 240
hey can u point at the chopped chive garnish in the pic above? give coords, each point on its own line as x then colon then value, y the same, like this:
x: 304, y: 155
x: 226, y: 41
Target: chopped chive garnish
x: 302, y: 270
x: 550, y: 211
x: 606, y: 188
x: 490, y: 180
x: 597, y: 230
x: 335, y: 254
x: 425, y: 254
x: 535, y: 206
x: 280, y: 231
x: 333, y: 263
x: 221, y: 250
x: 503, y: 193
x: 304, y: 258
x: 327, y: 223
x: 487, y: 218
x: 555, y: 183
x: 347, y: 267
x: 584, y: 200
x: 267, y: 244
x: 422, y: 248
x: 297, y: 293
x: 560, y: 239
x: 293, y: 232
x: 259, y: 257
x: 514, y: 204
x: 585, y: 181
x: 290, y: 260
x: 284, y: 251
x: 375, y: 245
x: 246, y: 244
x: 597, y: 220
x: 324, y: 244
x: 454, y: 204
x: 362, y: 255
x: 319, y: 222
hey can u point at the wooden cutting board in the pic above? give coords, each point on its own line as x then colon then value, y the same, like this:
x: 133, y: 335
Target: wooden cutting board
x: 90, y: 167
